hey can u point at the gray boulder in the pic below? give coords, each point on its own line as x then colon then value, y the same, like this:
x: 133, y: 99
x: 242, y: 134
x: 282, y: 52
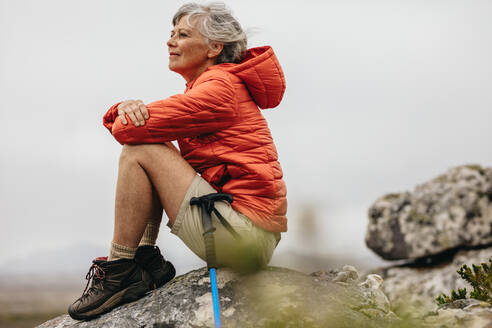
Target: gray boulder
x: 451, y: 211
x: 275, y: 297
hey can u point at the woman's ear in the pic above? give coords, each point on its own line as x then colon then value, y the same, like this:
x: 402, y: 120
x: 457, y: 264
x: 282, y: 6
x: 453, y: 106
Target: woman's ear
x: 215, y: 49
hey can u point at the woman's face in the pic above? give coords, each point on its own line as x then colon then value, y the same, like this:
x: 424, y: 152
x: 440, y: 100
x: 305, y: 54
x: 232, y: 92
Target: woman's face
x: 189, y: 53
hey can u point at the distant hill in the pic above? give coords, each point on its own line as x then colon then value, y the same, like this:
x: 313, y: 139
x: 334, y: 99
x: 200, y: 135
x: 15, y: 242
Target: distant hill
x: 67, y: 260
x: 75, y: 260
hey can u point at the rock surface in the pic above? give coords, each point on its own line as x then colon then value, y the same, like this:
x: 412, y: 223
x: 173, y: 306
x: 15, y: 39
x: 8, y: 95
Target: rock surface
x: 467, y: 313
x: 274, y: 297
x: 412, y: 290
x: 451, y: 211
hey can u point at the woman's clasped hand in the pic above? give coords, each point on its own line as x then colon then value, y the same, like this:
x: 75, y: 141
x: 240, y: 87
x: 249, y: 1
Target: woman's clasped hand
x: 135, y: 110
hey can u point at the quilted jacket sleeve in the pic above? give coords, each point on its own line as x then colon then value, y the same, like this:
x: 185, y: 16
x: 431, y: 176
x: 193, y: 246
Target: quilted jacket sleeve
x: 110, y: 117
x: 206, y: 108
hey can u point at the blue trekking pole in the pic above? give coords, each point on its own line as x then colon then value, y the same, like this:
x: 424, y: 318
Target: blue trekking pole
x: 206, y: 202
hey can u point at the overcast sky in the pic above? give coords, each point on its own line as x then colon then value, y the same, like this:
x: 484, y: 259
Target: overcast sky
x: 381, y: 96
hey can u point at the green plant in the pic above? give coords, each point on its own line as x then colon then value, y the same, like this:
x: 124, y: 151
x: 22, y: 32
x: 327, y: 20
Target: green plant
x: 444, y: 299
x: 479, y: 277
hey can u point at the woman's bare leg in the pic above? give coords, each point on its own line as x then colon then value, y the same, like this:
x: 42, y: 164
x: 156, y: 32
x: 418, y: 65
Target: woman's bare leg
x: 153, y: 223
x: 150, y: 178
x: 142, y: 168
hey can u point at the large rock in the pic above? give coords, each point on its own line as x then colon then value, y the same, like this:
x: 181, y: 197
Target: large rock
x: 274, y: 297
x: 451, y: 211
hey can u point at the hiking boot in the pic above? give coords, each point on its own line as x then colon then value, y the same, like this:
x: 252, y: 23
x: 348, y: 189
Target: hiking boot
x: 113, y: 283
x: 152, y: 261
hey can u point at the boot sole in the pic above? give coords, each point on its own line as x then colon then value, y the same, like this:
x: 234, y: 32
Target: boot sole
x: 129, y: 294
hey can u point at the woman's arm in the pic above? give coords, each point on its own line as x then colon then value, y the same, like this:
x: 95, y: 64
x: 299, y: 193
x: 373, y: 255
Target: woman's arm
x: 207, y: 108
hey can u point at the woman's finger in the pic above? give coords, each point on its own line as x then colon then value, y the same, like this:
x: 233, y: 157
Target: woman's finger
x: 132, y: 117
x: 121, y: 115
x: 130, y: 111
x: 144, y: 111
x: 140, y: 118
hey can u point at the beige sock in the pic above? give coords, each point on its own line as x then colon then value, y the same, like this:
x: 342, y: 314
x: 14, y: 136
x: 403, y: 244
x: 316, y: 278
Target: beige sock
x: 150, y: 234
x: 121, y: 252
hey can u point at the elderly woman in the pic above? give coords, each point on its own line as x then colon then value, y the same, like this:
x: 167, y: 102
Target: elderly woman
x: 224, y: 146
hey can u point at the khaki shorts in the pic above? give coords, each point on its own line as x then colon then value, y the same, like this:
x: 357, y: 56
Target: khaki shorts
x: 251, y: 252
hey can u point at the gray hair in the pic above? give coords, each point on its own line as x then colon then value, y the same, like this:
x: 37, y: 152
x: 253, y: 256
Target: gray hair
x: 216, y: 23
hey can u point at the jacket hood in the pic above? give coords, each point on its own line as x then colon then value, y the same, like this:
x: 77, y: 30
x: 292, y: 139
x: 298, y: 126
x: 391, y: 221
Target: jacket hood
x: 262, y: 74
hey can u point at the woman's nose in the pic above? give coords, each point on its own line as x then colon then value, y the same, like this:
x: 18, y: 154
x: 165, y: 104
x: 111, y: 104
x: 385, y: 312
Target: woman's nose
x: 171, y: 42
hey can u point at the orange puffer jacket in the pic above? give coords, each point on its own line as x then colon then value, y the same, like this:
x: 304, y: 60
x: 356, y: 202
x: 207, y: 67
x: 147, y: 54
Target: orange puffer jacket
x: 223, y: 135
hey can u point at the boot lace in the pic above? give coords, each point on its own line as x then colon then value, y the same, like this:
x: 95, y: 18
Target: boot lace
x: 97, y: 275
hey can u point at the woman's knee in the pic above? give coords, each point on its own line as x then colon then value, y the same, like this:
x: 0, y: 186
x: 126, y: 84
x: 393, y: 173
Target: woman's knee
x: 139, y: 152
x: 128, y: 153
